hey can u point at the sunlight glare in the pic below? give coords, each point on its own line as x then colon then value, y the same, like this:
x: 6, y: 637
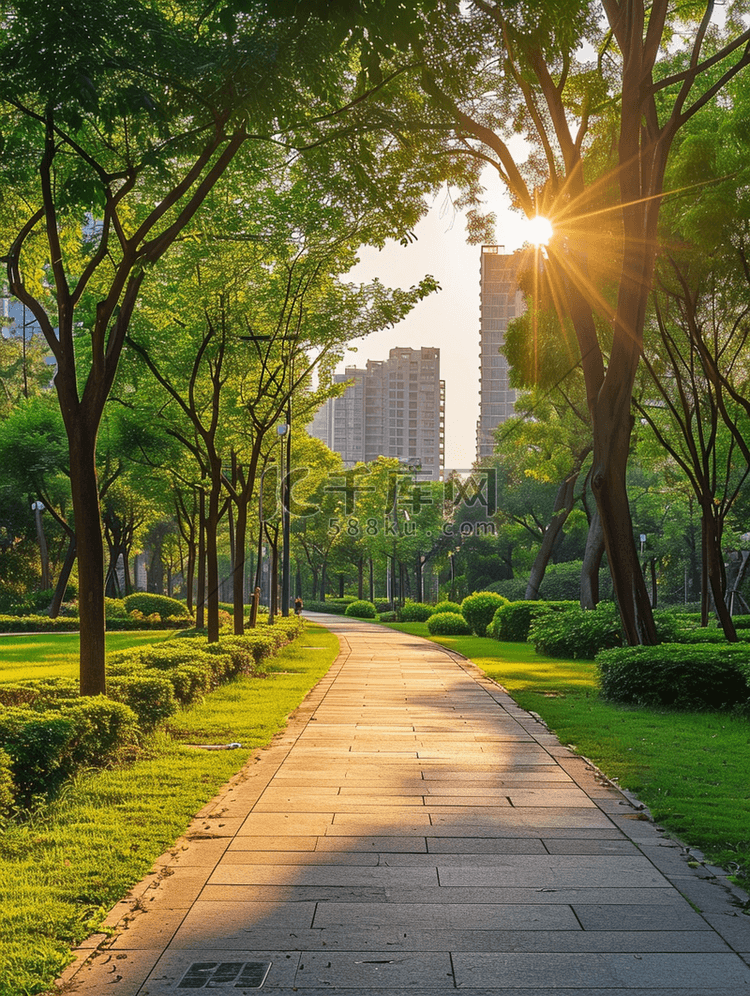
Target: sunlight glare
x: 539, y: 230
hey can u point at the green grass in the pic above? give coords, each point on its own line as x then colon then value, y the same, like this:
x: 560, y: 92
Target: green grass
x: 692, y: 769
x: 45, y: 655
x: 61, y: 872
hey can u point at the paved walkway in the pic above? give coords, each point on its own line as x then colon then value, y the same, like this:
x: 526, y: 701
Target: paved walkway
x: 413, y: 829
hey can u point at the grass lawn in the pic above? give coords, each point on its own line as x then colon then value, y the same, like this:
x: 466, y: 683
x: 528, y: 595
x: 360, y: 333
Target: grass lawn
x: 61, y: 872
x: 692, y: 769
x: 45, y: 655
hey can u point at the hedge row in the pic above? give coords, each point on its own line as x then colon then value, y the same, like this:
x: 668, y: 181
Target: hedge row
x: 47, y: 732
x: 680, y: 676
x: 69, y: 624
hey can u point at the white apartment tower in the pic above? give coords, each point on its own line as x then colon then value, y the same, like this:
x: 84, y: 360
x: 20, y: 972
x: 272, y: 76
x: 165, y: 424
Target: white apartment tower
x: 393, y: 408
x: 500, y: 301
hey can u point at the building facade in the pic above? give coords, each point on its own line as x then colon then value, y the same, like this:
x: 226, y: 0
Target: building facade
x: 500, y: 301
x: 392, y: 408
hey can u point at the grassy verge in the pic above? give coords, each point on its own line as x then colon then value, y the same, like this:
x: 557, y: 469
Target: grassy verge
x: 690, y: 768
x: 62, y: 871
x: 46, y: 655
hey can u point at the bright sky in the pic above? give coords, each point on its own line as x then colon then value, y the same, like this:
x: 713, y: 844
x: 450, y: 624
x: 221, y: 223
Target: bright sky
x: 448, y: 319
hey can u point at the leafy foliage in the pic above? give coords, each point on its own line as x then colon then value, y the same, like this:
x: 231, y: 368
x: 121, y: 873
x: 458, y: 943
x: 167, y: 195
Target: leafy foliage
x: 479, y: 608
x: 512, y: 622
x: 448, y: 624
x: 676, y: 675
x: 415, y: 611
x: 576, y: 632
x: 446, y: 606
x: 148, y: 603
x: 361, y: 609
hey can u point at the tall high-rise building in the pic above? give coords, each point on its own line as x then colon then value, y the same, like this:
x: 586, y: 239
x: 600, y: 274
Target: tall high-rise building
x: 500, y: 301
x: 393, y: 408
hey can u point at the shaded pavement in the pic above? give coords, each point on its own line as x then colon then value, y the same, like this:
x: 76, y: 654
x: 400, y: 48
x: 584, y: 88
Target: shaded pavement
x: 414, y: 829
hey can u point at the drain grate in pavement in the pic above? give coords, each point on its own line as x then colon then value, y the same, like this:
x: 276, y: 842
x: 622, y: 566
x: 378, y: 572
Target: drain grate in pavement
x: 224, y: 974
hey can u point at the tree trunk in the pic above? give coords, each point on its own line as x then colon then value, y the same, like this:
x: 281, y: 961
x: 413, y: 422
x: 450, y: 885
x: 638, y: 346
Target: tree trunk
x: 62, y: 581
x: 612, y: 422
x: 200, y: 610
x: 238, y: 573
x: 562, y: 508
x: 90, y: 549
x: 592, y: 559
x: 714, y: 561
x: 212, y: 562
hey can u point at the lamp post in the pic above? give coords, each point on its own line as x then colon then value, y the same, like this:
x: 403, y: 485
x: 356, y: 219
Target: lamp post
x: 38, y: 508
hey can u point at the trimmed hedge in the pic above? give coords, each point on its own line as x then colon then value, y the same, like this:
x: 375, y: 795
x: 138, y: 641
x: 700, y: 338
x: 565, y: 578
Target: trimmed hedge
x: 446, y: 607
x: 414, y: 611
x: 512, y: 622
x: 148, y: 604
x: 361, y: 609
x: 448, y: 624
x: 48, y: 732
x: 46, y: 748
x: 680, y: 676
x: 576, y: 632
x: 479, y: 608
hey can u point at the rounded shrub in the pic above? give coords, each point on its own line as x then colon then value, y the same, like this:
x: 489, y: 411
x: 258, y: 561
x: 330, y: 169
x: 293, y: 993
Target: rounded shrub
x: 479, y: 608
x: 148, y: 603
x: 445, y: 607
x: 415, y: 611
x: 512, y: 622
x: 448, y: 624
x: 681, y: 676
x: 360, y: 609
x: 576, y: 632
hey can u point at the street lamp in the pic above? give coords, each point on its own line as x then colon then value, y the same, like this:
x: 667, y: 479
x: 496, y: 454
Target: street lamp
x: 38, y: 508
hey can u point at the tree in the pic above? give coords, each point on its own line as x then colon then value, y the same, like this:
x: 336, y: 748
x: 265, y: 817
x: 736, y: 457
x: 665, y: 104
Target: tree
x: 600, y: 133
x: 121, y: 120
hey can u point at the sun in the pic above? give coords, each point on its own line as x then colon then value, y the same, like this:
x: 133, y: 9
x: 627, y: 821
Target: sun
x: 539, y: 230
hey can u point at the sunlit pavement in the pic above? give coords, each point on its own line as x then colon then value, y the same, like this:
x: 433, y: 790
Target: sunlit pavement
x: 413, y: 829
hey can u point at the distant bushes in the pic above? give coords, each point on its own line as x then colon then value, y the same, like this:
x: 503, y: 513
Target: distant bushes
x: 47, y: 732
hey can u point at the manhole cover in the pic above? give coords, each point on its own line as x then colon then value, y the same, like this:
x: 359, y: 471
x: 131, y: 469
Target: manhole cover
x: 225, y: 974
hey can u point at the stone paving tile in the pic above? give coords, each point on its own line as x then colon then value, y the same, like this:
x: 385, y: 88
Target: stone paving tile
x: 556, y: 872
x: 385, y: 843
x: 225, y: 923
x: 514, y: 970
x: 447, y: 915
x: 148, y: 929
x: 375, y: 969
x: 339, y: 874
x: 734, y: 926
x: 247, y: 842
x: 121, y: 973
x: 638, y: 916
x: 174, y: 964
